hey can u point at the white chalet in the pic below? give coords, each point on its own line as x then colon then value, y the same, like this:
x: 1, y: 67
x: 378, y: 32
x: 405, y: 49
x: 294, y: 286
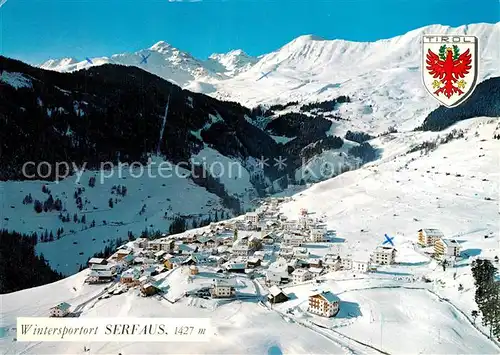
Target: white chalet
x: 301, y: 275
x: 346, y: 263
x: 332, y: 263
x: 222, y: 289
x: 61, y: 310
x: 252, y: 217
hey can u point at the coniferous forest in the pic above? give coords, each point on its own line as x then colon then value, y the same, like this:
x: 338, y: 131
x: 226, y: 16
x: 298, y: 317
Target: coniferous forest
x: 20, y: 267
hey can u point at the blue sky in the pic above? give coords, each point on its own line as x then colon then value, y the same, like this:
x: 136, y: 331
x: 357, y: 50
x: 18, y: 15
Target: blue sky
x: 35, y: 30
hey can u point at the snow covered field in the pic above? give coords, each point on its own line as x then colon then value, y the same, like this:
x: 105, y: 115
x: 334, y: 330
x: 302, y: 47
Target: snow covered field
x: 170, y: 195
x: 390, y: 310
x: 454, y: 188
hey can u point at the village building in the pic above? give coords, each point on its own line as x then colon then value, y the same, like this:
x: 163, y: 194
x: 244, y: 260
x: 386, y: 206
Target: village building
x: 315, y: 262
x: 254, y: 262
x: 300, y: 252
x: 276, y: 295
x: 185, y: 249
x: 301, y: 275
x: 324, y: 304
x: 160, y: 254
x: 252, y: 217
x: 144, y: 279
x: 316, y: 271
x: 100, y: 276
x: 360, y: 266
x: 222, y: 289
x: 286, y: 251
x: 149, y: 289
x: 290, y: 225
x: 332, y: 262
x: 121, y: 254
x: 141, y: 243
x: 268, y: 239
x: 193, y: 270
x: 130, y: 277
x: 97, y: 261
x: 189, y: 238
x: 317, y: 235
x: 293, y: 240
x: 172, y: 262
x: 346, y: 263
x: 273, y: 278
x: 157, y: 245
x: 446, y: 248
x: 242, y: 250
x: 238, y: 268
x: 61, y: 310
x: 427, y: 237
x: 383, y: 255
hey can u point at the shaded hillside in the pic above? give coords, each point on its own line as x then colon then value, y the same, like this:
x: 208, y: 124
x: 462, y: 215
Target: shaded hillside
x: 20, y: 268
x: 484, y: 101
x: 111, y: 111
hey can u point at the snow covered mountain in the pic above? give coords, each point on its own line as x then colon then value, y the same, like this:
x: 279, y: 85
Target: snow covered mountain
x: 383, y: 76
x: 167, y: 62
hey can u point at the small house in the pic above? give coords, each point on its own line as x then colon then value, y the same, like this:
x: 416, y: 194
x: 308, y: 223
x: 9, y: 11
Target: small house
x: 61, y: 310
x: 193, y: 270
x: 301, y: 275
x: 236, y: 267
x: 346, y: 263
x: 268, y: 239
x: 141, y: 243
x: 276, y: 295
x: 252, y: 217
x: 97, y: 261
x: 99, y: 276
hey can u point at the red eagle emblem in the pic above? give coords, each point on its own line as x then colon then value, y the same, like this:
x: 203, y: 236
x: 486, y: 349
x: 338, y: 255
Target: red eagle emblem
x: 449, y: 67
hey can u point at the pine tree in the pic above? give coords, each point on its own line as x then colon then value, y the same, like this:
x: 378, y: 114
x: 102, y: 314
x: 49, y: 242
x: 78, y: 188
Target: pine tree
x: 487, y: 294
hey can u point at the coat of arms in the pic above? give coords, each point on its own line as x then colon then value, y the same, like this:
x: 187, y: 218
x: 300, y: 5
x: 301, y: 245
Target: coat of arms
x: 450, y: 67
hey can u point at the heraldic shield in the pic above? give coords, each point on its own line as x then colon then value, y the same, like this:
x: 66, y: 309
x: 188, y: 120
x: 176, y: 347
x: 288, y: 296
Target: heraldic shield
x: 450, y: 67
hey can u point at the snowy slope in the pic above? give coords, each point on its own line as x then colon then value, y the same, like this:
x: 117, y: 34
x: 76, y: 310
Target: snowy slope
x: 389, y: 309
x: 163, y: 196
